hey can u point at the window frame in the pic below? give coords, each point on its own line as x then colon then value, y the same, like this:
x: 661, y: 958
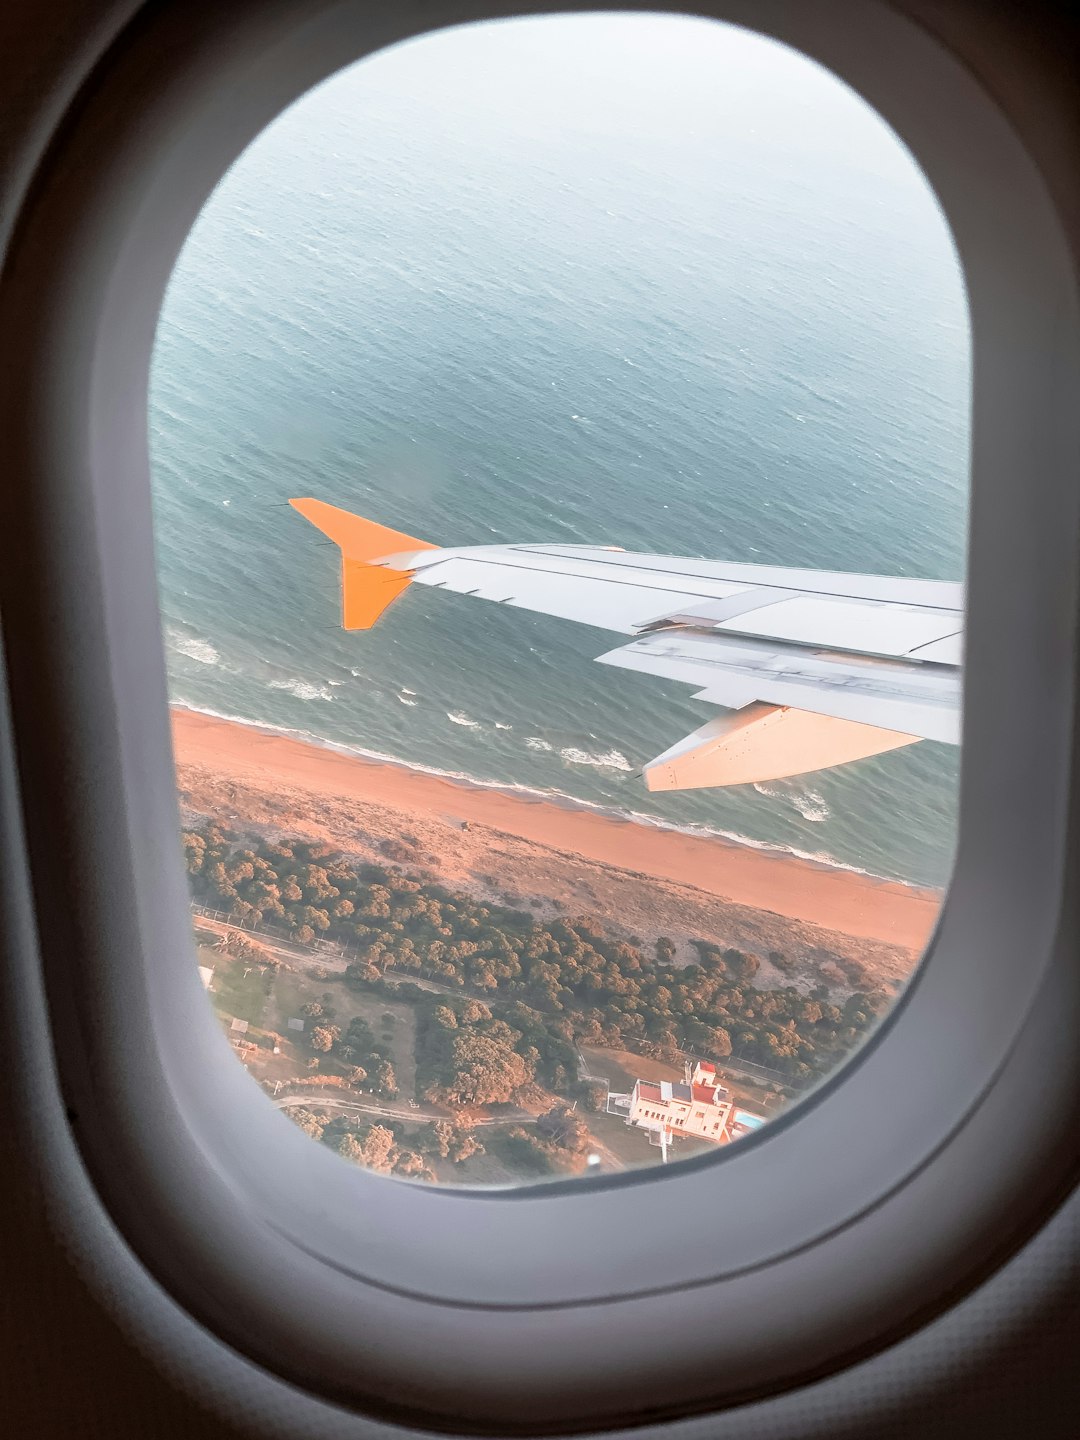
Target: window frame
x: 467, y: 1331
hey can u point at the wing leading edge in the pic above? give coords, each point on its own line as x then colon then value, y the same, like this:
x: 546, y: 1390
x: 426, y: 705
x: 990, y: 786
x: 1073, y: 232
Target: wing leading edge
x: 815, y: 668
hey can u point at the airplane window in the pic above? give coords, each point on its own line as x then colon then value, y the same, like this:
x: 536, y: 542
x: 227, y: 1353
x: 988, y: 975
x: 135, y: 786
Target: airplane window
x: 650, y: 334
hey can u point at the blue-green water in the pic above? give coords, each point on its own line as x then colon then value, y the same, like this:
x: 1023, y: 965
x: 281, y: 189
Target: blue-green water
x: 637, y: 281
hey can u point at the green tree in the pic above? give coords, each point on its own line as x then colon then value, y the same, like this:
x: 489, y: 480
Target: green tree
x: 323, y: 1037
x: 378, y: 1148
x: 308, y: 1121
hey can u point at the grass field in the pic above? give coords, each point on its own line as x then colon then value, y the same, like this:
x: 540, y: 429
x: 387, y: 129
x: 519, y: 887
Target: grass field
x: 238, y: 991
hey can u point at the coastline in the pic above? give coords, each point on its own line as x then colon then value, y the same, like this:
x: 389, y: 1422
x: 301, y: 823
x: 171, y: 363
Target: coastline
x: 337, y: 794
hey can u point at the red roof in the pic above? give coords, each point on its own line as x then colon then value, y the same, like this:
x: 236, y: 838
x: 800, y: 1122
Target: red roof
x: 707, y: 1065
x: 648, y: 1091
x: 704, y: 1095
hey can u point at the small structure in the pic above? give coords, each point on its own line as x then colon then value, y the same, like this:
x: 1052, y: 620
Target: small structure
x: 240, y: 1026
x: 296, y: 1024
x: 699, y: 1107
x: 206, y: 974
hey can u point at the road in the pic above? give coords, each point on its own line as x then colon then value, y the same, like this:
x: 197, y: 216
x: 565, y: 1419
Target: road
x: 323, y: 1101
x: 289, y: 954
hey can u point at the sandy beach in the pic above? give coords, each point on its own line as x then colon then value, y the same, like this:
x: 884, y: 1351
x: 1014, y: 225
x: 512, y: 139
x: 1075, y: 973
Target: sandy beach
x: 645, y: 879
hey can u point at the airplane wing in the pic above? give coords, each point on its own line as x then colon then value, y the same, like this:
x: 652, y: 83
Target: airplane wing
x: 812, y: 668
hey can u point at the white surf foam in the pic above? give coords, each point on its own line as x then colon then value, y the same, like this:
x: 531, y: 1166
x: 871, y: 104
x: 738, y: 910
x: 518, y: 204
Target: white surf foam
x: 194, y: 648
x: 606, y: 760
x: 302, y: 689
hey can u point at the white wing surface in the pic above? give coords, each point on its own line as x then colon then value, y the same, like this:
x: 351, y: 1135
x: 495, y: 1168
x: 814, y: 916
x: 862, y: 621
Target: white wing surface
x: 818, y: 667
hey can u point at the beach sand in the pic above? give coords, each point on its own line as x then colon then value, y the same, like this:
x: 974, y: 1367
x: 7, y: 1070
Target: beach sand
x: 557, y: 857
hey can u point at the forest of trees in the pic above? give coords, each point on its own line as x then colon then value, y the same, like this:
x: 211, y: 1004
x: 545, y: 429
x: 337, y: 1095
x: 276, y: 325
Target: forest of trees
x: 384, y: 1145
x: 466, y: 1056
x: 554, y: 982
x: 559, y: 1143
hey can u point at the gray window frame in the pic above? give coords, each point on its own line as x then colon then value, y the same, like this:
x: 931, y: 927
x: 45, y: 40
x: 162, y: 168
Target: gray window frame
x: 537, y: 1310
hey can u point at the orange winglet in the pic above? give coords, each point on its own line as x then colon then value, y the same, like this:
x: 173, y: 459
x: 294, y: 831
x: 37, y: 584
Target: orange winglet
x: 367, y: 588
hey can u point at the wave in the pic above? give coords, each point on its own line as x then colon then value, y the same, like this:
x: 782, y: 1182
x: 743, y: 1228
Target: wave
x: 404, y: 698
x: 458, y: 717
x: 608, y: 760
x: 194, y: 648
x: 811, y: 806
x: 499, y: 725
x: 302, y: 689
x: 535, y: 743
x: 808, y: 803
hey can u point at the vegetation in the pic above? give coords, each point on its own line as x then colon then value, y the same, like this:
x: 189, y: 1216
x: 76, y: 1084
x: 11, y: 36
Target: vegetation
x: 376, y: 1146
x: 552, y: 983
x: 560, y: 1142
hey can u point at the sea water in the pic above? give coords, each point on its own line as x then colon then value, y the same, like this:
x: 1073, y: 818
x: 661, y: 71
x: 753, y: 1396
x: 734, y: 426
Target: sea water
x: 603, y: 280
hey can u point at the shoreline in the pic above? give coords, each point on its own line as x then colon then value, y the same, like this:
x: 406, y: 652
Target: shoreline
x: 773, y: 882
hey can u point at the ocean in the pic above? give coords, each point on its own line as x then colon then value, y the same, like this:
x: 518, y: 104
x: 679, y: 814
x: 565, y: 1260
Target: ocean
x: 623, y: 280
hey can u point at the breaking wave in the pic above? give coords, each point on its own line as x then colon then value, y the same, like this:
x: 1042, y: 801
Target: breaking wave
x: 811, y: 806
x: 302, y: 689
x: 607, y: 760
x: 194, y: 648
x: 458, y: 717
x: 808, y: 803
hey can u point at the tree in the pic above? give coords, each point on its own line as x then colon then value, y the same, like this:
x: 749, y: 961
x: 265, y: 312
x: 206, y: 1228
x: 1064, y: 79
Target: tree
x: 323, y: 1037
x: 378, y: 1148
x: 308, y: 1121
x: 484, y: 1070
x: 464, y: 1145
x: 566, y: 1129
x: 438, y: 1138
x: 352, y: 1149
x: 720, y: 1042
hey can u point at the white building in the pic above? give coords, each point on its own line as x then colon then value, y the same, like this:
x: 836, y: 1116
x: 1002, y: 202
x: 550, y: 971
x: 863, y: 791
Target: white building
x: 699, y: 1107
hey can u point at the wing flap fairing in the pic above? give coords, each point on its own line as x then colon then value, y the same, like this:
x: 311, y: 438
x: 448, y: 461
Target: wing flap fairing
x: 765, y: 742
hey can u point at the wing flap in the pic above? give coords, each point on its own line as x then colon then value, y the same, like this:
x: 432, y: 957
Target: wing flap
x: 918, y: 700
